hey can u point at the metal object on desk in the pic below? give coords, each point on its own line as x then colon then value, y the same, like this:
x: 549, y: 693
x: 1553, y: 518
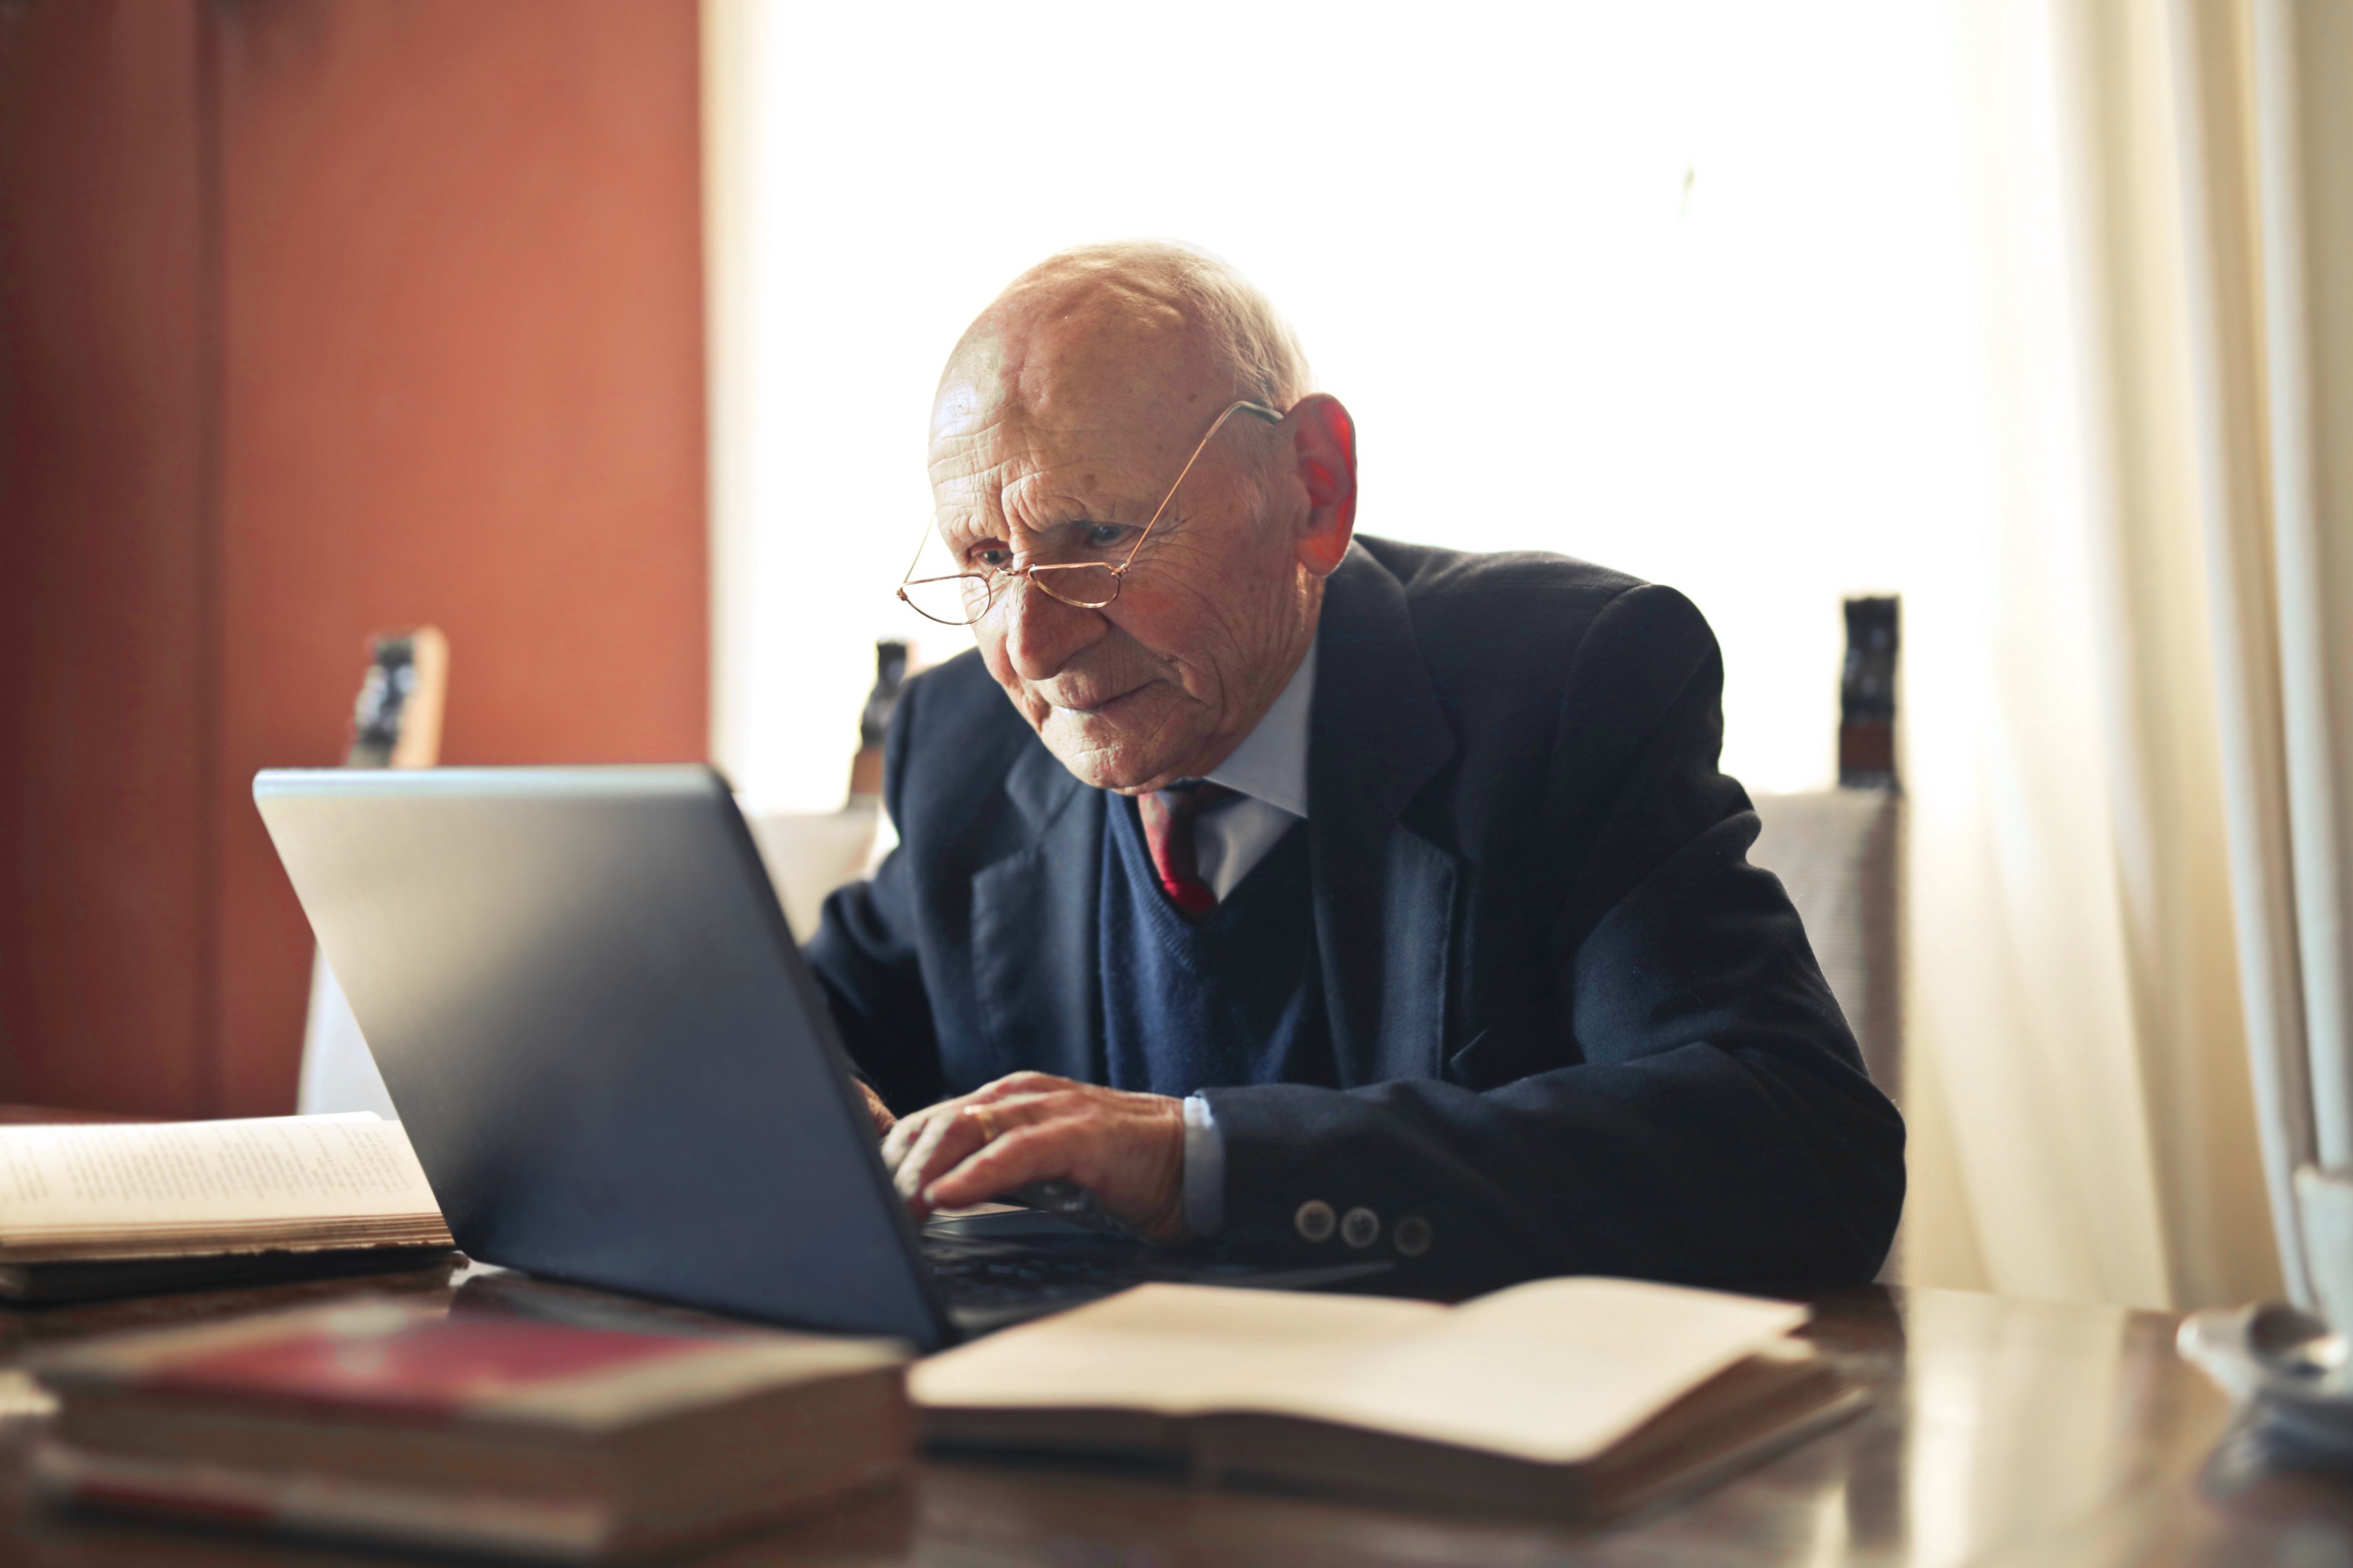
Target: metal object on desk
x: 2289, y: 1371
x: 2284, y: 1368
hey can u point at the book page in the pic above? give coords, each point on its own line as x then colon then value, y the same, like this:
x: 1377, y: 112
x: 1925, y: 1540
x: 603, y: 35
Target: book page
x: 327, y: 1177
x: 1556, y: 1370
x: 1173, y: 1350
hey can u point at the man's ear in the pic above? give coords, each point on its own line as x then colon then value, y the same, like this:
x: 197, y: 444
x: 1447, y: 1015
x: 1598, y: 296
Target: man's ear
x: 1323, y: 440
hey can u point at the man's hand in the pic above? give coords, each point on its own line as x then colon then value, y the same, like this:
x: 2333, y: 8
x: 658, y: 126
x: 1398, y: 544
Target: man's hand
x: 883, y: 1119
x: 1128, y: 1150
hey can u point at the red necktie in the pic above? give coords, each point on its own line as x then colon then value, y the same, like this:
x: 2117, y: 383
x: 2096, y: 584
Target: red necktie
x: 1168, y: 816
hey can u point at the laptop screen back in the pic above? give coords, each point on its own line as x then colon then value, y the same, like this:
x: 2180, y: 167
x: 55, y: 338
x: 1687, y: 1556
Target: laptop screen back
x: 601, y: 1039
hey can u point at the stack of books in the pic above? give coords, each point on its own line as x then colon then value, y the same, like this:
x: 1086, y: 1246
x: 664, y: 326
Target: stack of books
x: 380, y: 1420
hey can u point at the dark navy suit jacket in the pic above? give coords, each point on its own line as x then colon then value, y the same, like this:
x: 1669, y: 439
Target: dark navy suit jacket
x: 1576, y: 1031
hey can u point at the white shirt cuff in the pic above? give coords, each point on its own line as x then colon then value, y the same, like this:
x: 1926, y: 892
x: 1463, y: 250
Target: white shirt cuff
x: 1205, y: 1170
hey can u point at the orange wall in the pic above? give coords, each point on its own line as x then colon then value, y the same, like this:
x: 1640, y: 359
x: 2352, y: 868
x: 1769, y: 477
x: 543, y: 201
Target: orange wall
x: 103, y: 697
x: 455, y: 375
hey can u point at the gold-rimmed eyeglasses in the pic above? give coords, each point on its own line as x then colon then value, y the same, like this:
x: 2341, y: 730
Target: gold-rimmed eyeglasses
x: 962, y: 598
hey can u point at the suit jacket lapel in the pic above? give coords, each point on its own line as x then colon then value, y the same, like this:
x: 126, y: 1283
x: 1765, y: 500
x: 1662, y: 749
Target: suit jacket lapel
x: 1033, y: 930
x: 1384, y: 895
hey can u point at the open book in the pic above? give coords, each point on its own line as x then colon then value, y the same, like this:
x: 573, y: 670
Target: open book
x: 95, y: 1209
x: 1571, y: 1397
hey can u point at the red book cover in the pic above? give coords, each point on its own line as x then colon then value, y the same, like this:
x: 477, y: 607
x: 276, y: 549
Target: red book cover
x: 380, y: 1359
x: 390, y: 1420
x: 423, y: 1365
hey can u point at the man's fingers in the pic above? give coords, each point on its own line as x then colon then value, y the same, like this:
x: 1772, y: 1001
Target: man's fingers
x: 1025, y: 1082
x: 949, y: 1140
x: 950, y: 1137
x: 996, y: 1114
x: 912, y: 1128
x: 906, y: 1142
x: 1024, y: 1128
x: 943, y: 1141
x: 895, y: 1143
x: 1005, y: 1100
x: 876, y: 1110
x: 1040, y: 1152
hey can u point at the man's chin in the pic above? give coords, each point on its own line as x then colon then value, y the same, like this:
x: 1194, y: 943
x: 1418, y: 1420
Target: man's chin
x: 1099, y: 756
x: 1109, y: 770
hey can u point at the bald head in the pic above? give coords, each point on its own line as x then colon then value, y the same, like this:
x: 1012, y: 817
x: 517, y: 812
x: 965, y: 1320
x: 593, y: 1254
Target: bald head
x: 1066, y: 413
x: 1124, y: 324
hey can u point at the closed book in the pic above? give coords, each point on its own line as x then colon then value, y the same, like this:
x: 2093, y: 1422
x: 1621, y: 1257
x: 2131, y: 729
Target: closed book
x: 383, y: 1420
x: 114, y: 1208
x: 1574, y: 1398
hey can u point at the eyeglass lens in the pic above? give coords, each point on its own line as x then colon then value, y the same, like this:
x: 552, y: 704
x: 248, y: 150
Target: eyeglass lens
x: 964, y: 599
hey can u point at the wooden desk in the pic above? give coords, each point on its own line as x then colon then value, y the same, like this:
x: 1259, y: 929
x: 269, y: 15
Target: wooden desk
x: 2004, y: 1432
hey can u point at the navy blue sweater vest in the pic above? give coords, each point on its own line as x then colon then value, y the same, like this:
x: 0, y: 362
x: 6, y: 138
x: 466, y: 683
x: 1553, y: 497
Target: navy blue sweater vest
x: 1233, y: 998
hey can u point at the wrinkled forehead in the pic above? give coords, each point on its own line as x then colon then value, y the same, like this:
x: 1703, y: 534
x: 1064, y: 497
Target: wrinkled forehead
x: 1077, y: 406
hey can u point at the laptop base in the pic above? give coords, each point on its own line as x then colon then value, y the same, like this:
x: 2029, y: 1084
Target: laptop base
x: 998, y: 1269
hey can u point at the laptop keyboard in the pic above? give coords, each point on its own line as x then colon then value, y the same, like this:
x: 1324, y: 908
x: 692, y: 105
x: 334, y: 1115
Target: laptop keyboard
x: 977, y: 1272
x: 1015, y: 1265
x: 1003, y: 1281
x: 998, y: 1268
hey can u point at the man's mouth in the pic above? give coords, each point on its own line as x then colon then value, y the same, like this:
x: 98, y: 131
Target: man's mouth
x: 1096, y: 710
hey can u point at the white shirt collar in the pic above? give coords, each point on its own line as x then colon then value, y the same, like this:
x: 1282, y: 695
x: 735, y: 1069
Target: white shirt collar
x: 1271, y: 764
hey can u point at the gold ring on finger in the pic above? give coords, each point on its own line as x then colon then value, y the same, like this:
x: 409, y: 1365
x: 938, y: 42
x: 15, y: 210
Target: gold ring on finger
x: 988, y: 1127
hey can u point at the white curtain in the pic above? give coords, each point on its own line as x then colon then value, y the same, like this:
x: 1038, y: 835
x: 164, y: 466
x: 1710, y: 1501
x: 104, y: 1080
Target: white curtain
x: 2269, y: 140
x: 2023, y: 867
x: 2129, y: 885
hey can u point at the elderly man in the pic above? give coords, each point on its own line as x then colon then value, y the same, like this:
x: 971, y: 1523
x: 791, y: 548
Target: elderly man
x: 1334, y: 897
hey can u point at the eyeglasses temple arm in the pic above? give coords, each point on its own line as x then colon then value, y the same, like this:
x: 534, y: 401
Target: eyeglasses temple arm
x: 909, y: 575
x: 1261, y: 410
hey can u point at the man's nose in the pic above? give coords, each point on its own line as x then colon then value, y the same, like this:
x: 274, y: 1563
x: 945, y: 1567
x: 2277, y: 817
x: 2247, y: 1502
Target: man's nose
x: 1042, y: 633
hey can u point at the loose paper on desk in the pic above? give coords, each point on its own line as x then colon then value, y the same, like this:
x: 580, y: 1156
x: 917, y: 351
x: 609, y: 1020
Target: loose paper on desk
x: 1556, y: 1371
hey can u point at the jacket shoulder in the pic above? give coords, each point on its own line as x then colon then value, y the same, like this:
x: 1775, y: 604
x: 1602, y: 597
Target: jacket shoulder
x: 1529, y: 618
x: 969, y: 735
x: 959, y: 693
x: 1429, y: 572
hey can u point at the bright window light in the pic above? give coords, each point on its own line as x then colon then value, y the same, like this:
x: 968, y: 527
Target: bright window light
x: 1679, y: 287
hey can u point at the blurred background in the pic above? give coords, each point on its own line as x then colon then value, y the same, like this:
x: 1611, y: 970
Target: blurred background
x: 602, y: 336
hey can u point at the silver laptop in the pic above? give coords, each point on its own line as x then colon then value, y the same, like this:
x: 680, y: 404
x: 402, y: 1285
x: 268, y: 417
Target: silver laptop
x: 616, y: 1069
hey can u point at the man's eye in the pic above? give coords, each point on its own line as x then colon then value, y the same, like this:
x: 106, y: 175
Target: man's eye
x: 1104, y: 535
x: 993, y: 557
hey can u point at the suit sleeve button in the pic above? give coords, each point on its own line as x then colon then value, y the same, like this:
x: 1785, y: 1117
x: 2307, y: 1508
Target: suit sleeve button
x: 1413, y: 1235
x: 1360, y: 1227
x: 1315, y: 1220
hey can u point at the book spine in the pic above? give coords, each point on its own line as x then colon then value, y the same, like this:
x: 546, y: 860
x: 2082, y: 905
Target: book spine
x: 322, y: 1506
